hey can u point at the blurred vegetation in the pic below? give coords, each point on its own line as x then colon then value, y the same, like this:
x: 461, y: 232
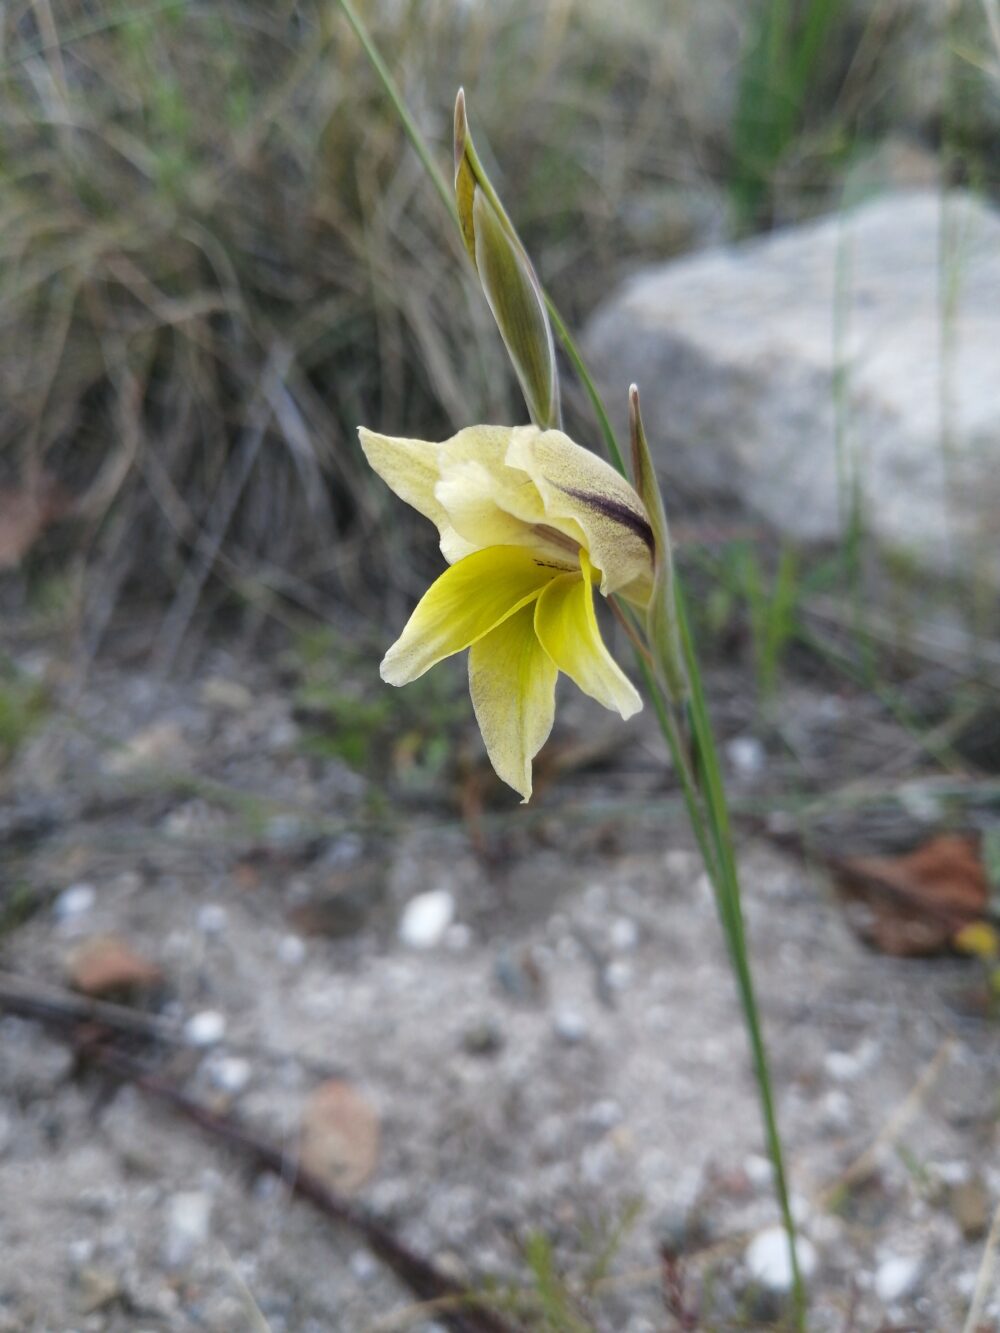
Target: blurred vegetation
x: 218, y: 254
x: 407, y: 735
x: 24, y: 703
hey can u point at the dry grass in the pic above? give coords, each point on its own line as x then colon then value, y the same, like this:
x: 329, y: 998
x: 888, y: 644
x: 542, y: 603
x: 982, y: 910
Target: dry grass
x: 218, y: 255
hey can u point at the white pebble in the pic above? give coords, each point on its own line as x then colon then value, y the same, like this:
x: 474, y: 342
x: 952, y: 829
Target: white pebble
x: 229, y: 1073
x: 570, y: 1027
x: 211, y: 918
x: 896, y: 1277
x: 746, y: 756
x: 842, y: 1066
x: 205, y: 1028
x: 618, y: 975
x: 624, y: 934
x: 291, y: 950
x: 75, y: 901
x: 769, y: 1263
x: 837, y: 1110
x: 189, y: 1217
x: 759, y: 1171
x: 426, y: 918
x: 363, y: 1266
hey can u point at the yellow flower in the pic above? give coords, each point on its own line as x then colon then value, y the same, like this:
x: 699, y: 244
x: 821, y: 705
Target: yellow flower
x: 529, y: 522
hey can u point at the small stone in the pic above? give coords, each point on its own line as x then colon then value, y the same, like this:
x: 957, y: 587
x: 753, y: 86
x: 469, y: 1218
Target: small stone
x: 229, y: 1073
x: 426, y: 918
x: 340, y: 1136
x: 624, y: 934
x: 837, y: 1111
x: 159, y: 745
x: 74, y: 902
x: 206, y: 1028
x: 842, y: 1066
x: 220, y: 692
x: 618, y: 975
x: 604, y: 1115
x: 747, y: 757
x: 363, y: 1265
x: 291, y: 950
x: 483, y: 1039
x: 212, y: 918
x: 189, y: 1217
x: 98, y: 1289
x: 970, y: 1206
x: 759, y: 1171
x: 896, y: 1277
x: 570, y: 1027
x: 80, y: 1251
x: 769, y: 1263
x: 107, y: 965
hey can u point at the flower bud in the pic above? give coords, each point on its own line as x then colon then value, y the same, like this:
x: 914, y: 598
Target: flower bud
x: 508, y: 279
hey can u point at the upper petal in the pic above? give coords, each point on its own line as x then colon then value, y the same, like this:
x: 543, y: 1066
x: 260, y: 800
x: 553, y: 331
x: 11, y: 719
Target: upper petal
x: 512, y: 681
x: 567, y: 629
x: 574, y: 484
x: 409, y: 467
x: 414, y: 469
x: 466, y: 602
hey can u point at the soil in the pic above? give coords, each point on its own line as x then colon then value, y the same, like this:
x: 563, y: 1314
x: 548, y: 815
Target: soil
x: 567, y: 1060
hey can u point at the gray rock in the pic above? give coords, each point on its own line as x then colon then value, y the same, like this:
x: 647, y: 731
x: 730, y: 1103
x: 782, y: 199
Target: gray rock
x: 866, y: 341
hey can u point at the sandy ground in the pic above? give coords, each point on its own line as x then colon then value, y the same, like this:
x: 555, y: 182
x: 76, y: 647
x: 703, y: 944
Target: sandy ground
x: 568, y: 1053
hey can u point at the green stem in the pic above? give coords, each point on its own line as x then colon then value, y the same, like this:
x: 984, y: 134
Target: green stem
x: 728, y: 901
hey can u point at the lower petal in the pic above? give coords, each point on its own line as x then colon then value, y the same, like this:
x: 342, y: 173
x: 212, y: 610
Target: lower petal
x: 566, y: 625
x: 513, y: 684
x: 466, y: 602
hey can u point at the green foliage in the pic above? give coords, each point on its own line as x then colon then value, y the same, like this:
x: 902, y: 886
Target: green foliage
x: 406, y: 734
x: 770, y: 604
x: 789, y: 45
x: 23, y: 705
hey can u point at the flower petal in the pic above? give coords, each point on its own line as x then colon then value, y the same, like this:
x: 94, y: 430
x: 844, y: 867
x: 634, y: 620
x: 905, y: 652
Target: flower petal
x: 414, y: 469
x: 409, y: 467
x: 466, y: 602
x: 512, y: 681
x: 567, y: 629
x: 576, y: 485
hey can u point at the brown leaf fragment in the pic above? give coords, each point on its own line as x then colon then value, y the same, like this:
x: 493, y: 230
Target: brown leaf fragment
x: 107, y: 966
x: 915, y: 904
x: 340, y: 1136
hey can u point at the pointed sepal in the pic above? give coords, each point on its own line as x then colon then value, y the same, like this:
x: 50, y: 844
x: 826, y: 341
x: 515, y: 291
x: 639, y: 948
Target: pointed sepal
x: 662, y: 630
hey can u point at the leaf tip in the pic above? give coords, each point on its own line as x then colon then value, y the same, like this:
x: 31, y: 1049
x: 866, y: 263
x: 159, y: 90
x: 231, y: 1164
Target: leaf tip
x: 461, y: 128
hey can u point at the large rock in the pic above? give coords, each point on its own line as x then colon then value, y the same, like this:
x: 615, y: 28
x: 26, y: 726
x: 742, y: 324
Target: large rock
x: 867, y: 344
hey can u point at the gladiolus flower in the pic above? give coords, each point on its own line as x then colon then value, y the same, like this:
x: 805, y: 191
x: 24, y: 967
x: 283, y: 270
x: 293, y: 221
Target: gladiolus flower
x: 529, y: 523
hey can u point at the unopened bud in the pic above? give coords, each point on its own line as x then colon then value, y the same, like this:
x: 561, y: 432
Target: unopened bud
x: 508, y: 278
